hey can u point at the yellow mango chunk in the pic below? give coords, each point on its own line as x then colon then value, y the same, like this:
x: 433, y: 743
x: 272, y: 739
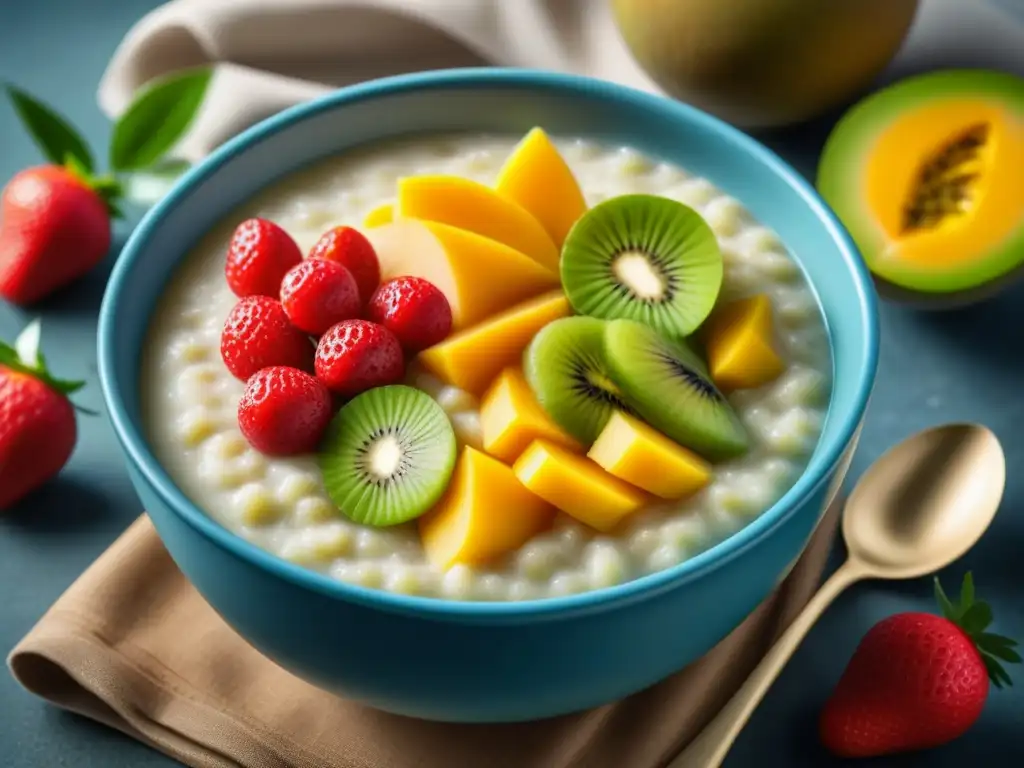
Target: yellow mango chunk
x: 379, y: 216
x: 577, y: 486
x: 471, y: 360
x: 738, y: 341
x: 486, y: 512
x: 632, y: 451
x: 511, y: 419
x: 479, y: 276
x: 473, y: 206
x: 537, y: 177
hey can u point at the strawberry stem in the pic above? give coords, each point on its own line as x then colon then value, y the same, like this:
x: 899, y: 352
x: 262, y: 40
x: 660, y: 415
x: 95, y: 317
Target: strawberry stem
x: 974, y: 617
x: 26, y: 357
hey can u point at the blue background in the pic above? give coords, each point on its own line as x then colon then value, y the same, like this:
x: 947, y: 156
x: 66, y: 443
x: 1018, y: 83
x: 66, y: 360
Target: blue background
x: 962, y: 365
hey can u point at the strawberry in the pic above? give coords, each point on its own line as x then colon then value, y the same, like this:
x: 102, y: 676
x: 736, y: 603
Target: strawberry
x: 917, y: 680
x: 259, y: 255
x: 316, y: 294
x: 257, y: 334
x: 350, y: 248
x: 414, y: 310
x: 38, y: 430
x: 54, y: 228
x: 284, y: 411
x: 357, y: 355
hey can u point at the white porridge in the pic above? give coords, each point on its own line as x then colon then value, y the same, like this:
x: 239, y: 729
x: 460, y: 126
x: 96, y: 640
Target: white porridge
x: 280, y: 503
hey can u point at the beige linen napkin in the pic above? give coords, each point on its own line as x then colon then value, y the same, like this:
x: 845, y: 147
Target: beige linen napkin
x: 133, y: 645
x: 271, y: 54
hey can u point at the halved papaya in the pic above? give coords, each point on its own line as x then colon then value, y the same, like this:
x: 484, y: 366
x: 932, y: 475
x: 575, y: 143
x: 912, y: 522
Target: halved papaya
x: 928, y: 177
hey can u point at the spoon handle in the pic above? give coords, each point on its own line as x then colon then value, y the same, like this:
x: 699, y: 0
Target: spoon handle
x: 710, y: 747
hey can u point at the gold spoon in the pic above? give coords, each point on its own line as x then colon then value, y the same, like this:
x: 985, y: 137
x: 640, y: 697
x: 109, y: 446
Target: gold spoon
x: 918, y: 508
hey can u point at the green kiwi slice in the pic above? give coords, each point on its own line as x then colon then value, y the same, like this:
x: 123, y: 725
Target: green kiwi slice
x: 565, y: 367
x: 668, y: 385
x: 645, y: 258
x: 387, y: 455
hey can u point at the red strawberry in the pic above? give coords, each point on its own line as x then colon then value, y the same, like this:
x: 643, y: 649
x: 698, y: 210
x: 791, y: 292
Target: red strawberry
x: 356, y: 355
x: 350, y: 248
x: 53, y: 229
x: 414, y: 310
x: 917, y: 680
x: 257, y: 334
x: 259, y: 255
x: 38, y: 430
x: 316, y: 294
x: 284, y: 411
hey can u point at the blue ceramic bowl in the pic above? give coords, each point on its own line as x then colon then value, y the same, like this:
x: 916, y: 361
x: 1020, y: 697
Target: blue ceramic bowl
x: 457, y: 661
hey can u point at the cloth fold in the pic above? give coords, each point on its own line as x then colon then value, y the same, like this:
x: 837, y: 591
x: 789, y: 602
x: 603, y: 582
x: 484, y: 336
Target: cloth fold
x: 131, y: 644
x: 272, y: 54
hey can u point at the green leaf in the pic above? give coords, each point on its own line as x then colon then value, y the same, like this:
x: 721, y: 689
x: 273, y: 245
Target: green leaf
x: 996, y: 673
x: 948, y: 610
x: 157, y: 119
x: 967, y: 592
x: 26, y: 357
x: 976, y: 618
x: 148, y: 185
x: 1004, y: 653
x: 988, y: 640
x: 57, y: 139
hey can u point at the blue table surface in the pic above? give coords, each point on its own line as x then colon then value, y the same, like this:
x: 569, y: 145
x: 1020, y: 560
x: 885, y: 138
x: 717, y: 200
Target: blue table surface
x: 962, y: 365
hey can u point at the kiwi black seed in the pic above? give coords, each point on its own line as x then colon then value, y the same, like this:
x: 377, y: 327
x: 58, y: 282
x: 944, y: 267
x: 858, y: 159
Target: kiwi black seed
x: 646, y: 258
x: 387, y: 455
x: 565, y: 367
x: 668, y: 385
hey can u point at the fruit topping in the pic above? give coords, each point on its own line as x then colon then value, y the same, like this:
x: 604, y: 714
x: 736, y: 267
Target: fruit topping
x: 387, y: 455
x: 738, y: 338
x: 317, y: 293
x: 350, y: 248
x: 537, y: 178
x: 284, y: 411
x: 257, y: 334
x: 477, y: 275
x: 356, y: 355
x: 644, y: 258
x: 511, y: 419
x: 259, y: 255
x: 566, y: 368
x: 577, y: 486
x: 470, y: 360
x: 472, y: 206
x: 632, y: 451
x: 668, y: 386
x: 412, y: 309
x: 485, y: 513
x: 382, y: 214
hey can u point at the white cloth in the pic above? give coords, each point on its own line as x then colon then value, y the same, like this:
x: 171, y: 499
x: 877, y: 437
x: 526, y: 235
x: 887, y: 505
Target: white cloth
x: 271, y: 54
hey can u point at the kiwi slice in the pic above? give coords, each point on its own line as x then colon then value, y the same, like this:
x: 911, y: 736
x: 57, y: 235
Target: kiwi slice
x: 387, y: 455
x: 668, y: 385
x: 645, y: 258
x: 565, y: 367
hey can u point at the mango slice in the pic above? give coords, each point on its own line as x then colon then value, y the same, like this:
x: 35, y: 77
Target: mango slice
x: 577, y: 486
x: 473, y: 206
x: 485, y: 513
x: 471, y: 360
x: 537, y: 177
x: 479, y: 276
x: 634, y: 452
x: 738, y: 340
x: 379, y: 216
x: 512, y: 418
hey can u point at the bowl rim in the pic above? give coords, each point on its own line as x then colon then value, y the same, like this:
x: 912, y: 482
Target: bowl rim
x: 824, y: 459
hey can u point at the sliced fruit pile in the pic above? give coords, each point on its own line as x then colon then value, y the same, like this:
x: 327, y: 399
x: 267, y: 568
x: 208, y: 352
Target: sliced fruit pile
x: 574, y: 327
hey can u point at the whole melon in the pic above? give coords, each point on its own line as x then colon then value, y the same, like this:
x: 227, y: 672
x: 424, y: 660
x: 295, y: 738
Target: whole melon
x: 764, y: 63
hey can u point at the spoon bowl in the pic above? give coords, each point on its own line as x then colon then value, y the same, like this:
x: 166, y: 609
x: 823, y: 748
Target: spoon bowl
x: 925, y: 502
